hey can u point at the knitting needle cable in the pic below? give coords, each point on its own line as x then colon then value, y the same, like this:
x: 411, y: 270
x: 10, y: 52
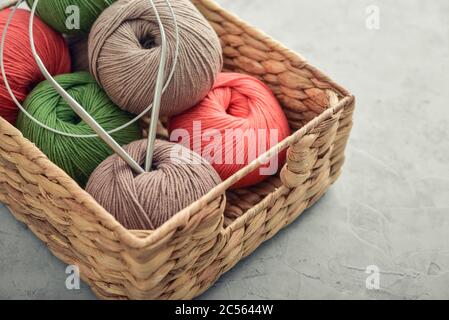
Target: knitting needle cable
x: 67, y: 134
x: 157, y: 94
x: 75, y: 106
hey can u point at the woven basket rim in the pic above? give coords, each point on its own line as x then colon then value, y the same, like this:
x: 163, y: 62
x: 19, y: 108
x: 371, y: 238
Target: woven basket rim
x: 143, y: 238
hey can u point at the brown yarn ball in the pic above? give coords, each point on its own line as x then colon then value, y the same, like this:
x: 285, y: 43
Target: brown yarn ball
x: 146, y: 201
x: 124, y: 54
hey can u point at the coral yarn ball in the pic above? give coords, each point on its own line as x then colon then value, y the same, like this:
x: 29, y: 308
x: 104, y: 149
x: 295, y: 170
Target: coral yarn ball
x: 239, y: 120
x: 21, y: 70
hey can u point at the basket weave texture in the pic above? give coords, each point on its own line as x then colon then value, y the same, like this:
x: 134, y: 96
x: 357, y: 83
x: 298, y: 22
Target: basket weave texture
x: 185, y: 256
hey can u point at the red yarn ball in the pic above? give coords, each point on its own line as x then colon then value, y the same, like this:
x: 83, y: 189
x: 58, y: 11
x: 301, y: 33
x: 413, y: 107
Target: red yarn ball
x: 21, y: 69
x: 238, y: 121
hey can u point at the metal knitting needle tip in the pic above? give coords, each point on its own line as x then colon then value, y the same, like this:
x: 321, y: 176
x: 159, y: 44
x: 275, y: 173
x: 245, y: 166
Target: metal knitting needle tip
x: 152, y: 130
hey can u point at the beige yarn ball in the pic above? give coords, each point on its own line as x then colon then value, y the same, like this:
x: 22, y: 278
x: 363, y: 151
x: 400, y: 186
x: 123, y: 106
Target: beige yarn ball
x: 146, y: 201
x: 124, y: 54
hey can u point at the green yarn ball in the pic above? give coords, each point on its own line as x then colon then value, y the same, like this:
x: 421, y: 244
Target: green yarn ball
x: 79, y: 157
x: 58, y: 15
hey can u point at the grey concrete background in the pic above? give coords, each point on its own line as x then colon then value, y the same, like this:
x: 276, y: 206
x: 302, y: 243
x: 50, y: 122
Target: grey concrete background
x: 390, y: 208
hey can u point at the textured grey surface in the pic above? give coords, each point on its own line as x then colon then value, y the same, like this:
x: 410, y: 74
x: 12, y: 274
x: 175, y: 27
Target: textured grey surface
x: 390, y: 208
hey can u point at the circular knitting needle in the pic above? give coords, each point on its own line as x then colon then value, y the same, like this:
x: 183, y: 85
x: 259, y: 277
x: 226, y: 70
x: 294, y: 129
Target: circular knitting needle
x: 74, y: 104
x: 67, y: 134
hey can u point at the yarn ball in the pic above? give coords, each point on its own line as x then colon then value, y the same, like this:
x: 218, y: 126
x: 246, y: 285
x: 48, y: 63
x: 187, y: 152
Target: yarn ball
x: 146, y: 201
x: 238, y: 121
x: 70, y: 16
x: 77, y: 156
x: 21, y: 69
x: 125, y: 50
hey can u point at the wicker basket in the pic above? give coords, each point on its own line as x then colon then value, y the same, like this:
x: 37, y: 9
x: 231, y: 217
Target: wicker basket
x: 184, y: 257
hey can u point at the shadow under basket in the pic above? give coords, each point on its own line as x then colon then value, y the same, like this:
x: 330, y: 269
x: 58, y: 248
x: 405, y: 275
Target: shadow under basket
x: 184, y: 257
